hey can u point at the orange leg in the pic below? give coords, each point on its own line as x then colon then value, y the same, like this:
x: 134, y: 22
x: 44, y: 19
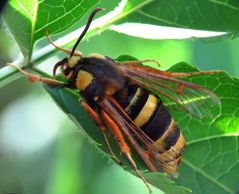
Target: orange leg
x: 36, y: 78
x: 140, y: 61
x: 189, y: 74
x: 123, y: 145
x: 68, y: 51
x: 96, y: 118
x: 133, y: 64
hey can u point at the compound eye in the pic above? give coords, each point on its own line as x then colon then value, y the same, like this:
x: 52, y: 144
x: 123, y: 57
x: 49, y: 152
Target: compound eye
x: 67, y: 71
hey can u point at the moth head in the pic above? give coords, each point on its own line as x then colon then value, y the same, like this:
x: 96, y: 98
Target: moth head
x: 67, y: 66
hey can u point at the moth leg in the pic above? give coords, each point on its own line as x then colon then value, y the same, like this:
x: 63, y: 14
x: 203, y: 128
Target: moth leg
x: 98, y: 121
x: 140, y: 61
x: 123, y: 145
x: 36, y: 78
x: 68, y: 51
x: 189, y: 74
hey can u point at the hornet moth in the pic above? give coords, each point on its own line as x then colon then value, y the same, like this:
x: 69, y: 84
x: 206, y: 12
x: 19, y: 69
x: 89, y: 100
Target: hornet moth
x: 124, y: 97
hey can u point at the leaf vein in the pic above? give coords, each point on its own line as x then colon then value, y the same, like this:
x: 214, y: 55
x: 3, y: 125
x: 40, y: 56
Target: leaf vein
x: 48, y: 24
x: 228, y: 170
x: 224, y: 4
x: 212, y: 137
x: 196, y: 169
x: 159, y: 19
x: 27, y: 12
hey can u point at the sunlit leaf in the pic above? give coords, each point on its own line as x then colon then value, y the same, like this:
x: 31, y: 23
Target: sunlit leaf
x: 150, y: 31
x: 204, y: 15
x: 28, y: 20
x: 211, y: 160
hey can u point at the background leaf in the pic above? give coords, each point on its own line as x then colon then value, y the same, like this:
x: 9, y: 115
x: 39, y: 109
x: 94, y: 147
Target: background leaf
x: 219, y: 16
x: 36, y: 16
x: 196, y: 14
x: 211, y: 155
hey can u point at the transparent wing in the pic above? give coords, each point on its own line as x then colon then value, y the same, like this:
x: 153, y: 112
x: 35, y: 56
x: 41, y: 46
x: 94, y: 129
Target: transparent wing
x: 194, y: 98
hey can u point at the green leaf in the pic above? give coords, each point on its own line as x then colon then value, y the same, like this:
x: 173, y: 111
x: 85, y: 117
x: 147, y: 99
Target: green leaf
x: 218, y: 16
x: 36, y: 16
x: 196, y: 14
x: 28, y: 19
x: 211, y: 163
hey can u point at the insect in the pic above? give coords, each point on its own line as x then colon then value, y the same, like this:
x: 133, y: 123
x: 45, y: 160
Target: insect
x: 125, y: 97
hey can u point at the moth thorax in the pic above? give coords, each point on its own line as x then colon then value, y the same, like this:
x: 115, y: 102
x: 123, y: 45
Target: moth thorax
x: 96, y: 55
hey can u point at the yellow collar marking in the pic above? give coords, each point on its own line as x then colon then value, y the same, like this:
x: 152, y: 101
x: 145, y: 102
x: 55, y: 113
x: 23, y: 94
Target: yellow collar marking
x: 83, y: 79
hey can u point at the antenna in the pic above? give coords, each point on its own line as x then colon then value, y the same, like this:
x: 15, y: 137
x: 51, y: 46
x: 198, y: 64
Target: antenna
x: 85, y: 30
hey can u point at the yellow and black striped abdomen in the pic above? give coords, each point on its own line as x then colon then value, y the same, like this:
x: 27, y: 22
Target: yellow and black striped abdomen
x: 148, y: 113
